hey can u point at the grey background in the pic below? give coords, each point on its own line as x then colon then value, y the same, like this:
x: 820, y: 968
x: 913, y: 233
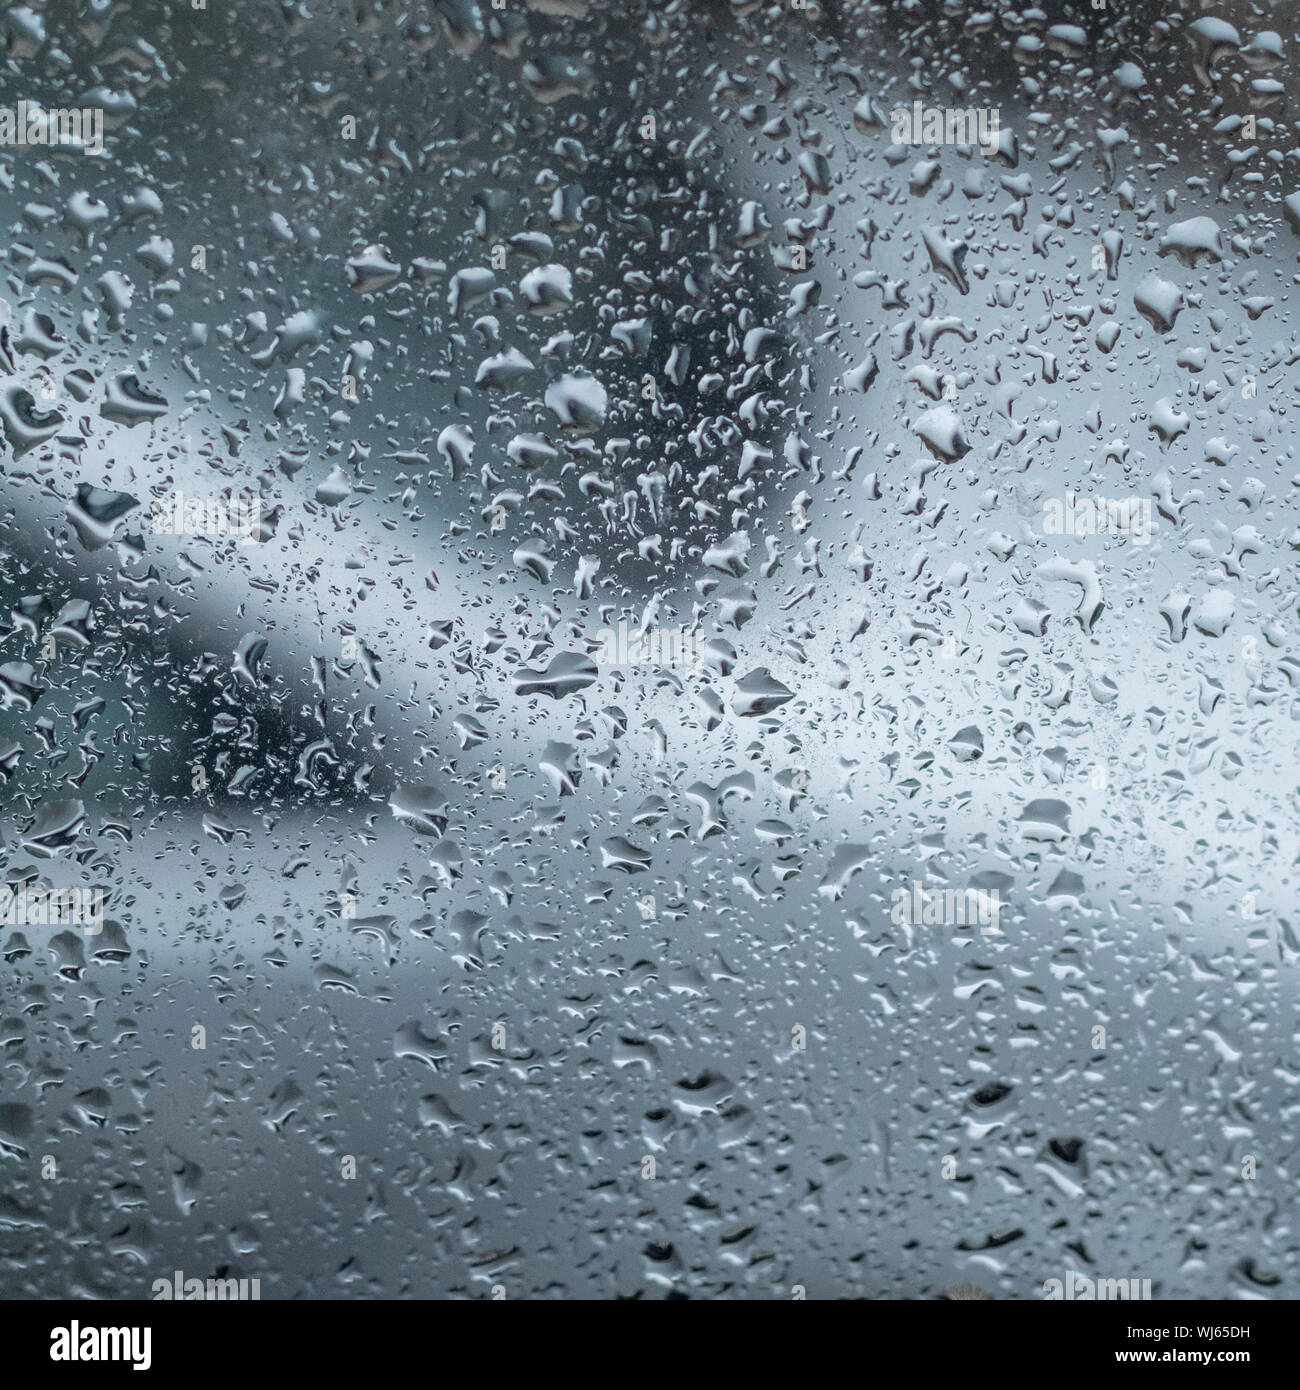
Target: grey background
x: 521, y: 1167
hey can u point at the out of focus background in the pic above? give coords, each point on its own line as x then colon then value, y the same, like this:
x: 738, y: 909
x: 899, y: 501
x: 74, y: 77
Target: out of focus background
x: 446, y: 957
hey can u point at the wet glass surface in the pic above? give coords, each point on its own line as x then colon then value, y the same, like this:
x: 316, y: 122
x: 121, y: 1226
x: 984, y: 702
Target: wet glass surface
x: 648, y: 651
